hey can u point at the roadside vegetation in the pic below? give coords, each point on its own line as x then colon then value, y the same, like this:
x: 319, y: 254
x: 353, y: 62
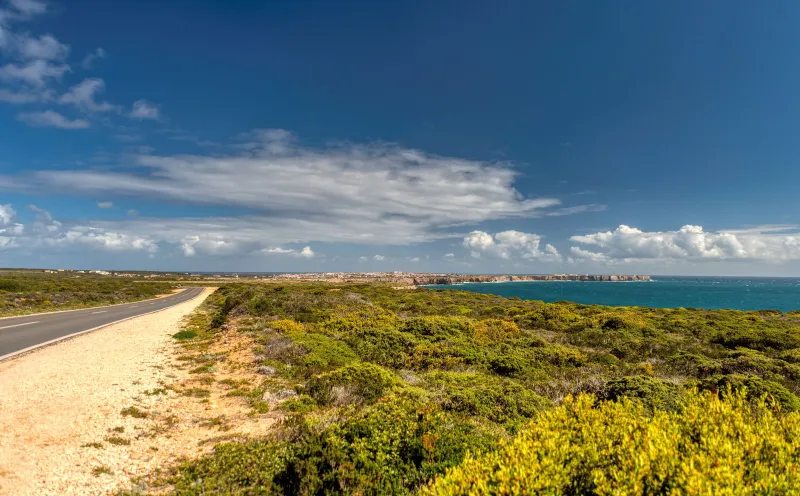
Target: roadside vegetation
x: 23, y: 292
x: 385, y: 391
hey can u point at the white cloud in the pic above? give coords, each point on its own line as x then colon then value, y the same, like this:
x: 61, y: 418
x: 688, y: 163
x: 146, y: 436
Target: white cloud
x: 45, y: 47
x: 510, y: 244
x: 29, y: 7
x: 414, y: 259
x: 45, y: 232
x: 307, y: 252
x: 88, y: 61
x: 363, y: 258
x: 83, y: 94
x: 49, y: 118
x: 379, y: 257
x: 105, y: 204
x: 364, y: 194
x: 24, y: 96
x: 278, y: 249
x: 133, y: 213
x: 142, y: 109
x: 449, y: 255
x: 35, y: 73
x: 7, y: 215
x: 689, y: 243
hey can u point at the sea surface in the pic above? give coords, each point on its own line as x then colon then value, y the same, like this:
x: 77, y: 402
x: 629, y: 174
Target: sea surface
x: 663, y: 291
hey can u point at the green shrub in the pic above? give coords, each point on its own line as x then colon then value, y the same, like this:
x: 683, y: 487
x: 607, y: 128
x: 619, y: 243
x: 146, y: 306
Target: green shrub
x: 387, y: 347
x: 709, y: 447
x: 355, y: 383
x: 391, y: 448
x: 484, y: 396
x: 438, y: 328
x: 317, y: 353
x: 755, y: 388
x: 652, y: 392
x: 10, y: 285
x: 791, y: 356
x: 248, y: 468
x: 185, y: 334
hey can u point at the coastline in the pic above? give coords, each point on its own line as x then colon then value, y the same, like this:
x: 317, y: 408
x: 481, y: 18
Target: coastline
x: 650, y: 279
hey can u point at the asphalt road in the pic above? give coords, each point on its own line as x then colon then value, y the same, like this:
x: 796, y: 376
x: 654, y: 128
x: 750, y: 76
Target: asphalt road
x: 18, y: 334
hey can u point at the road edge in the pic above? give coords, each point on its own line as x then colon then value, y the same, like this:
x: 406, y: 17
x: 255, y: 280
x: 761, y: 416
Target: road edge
x: 90, y: 308
x: 30, y: 349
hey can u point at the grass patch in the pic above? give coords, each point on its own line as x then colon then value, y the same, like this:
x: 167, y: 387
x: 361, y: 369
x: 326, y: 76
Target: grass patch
x: 185, y: 334
x: 101, y: 470
x: 134, y: 412
x: 117, y: 441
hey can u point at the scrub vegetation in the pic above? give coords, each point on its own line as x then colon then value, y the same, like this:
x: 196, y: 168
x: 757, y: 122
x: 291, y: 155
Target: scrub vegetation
x: 23, y: 292
x: 386, y: 391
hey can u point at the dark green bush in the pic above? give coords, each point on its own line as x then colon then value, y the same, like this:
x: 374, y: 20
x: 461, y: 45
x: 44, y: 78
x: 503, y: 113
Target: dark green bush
x: 756, y: 388
x: 652, y: 392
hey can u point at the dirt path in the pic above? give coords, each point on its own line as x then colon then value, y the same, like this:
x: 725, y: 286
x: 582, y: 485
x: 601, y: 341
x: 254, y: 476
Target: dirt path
x: 66, y: 422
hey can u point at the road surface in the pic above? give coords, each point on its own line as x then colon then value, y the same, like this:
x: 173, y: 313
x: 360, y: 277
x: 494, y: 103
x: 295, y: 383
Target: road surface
x: 19, y: 334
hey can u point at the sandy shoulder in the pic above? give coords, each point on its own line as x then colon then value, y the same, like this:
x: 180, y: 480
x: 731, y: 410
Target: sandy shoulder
x: 60, y: 406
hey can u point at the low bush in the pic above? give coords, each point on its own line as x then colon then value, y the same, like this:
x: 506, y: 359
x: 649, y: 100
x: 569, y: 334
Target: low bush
x: 651, y: 392
x: 755, y: 388
x: 711, y: 446
x: 355, y: 383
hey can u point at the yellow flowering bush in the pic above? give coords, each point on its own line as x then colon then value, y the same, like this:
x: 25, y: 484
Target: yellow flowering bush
x: 714, y: 446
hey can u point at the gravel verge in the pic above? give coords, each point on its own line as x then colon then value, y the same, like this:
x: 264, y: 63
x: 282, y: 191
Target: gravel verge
x: 64, y: 427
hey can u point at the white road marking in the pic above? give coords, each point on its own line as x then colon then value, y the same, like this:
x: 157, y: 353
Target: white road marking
x: 17, y: 325
x: 101, y: 311
x: 134, y: 306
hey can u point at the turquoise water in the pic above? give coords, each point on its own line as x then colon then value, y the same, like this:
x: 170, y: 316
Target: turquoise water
x: 665, y: 292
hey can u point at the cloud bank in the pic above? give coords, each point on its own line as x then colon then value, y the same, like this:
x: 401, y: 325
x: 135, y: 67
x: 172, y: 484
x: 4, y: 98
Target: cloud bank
x: 771, y: 244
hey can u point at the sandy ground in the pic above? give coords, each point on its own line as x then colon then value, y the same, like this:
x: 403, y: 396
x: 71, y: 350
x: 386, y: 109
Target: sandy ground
x: 62, y: 427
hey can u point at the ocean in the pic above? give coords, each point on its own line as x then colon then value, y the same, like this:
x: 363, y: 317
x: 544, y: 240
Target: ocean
x: 738, y: 293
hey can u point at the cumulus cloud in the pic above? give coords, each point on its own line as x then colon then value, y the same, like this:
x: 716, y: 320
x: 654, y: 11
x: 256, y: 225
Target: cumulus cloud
x: 449, y: 255
x: 46, y: 232
x: 50, y: 118
x: 510, y: 244
x: 7, y: 214
x: 363, y: 258
x: 35, y: 73
x: 105, y: 204
x: 378, y: 257
x: 688, y: 243
x: 142, y: 109
x: 44, y: 47
x: 82, y: 96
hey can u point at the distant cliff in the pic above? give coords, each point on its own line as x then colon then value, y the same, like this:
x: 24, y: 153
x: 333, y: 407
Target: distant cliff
x: 421, y: 280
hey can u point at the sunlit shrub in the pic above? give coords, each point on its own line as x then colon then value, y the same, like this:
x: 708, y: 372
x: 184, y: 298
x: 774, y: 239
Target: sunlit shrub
x: 709, y: 447
x: 355, y: 383
x: 493, y: 330
x: 755, y: 388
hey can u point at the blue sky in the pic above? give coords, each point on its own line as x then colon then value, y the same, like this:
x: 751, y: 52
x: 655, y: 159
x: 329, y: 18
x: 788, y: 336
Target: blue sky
x: 529, y: 137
